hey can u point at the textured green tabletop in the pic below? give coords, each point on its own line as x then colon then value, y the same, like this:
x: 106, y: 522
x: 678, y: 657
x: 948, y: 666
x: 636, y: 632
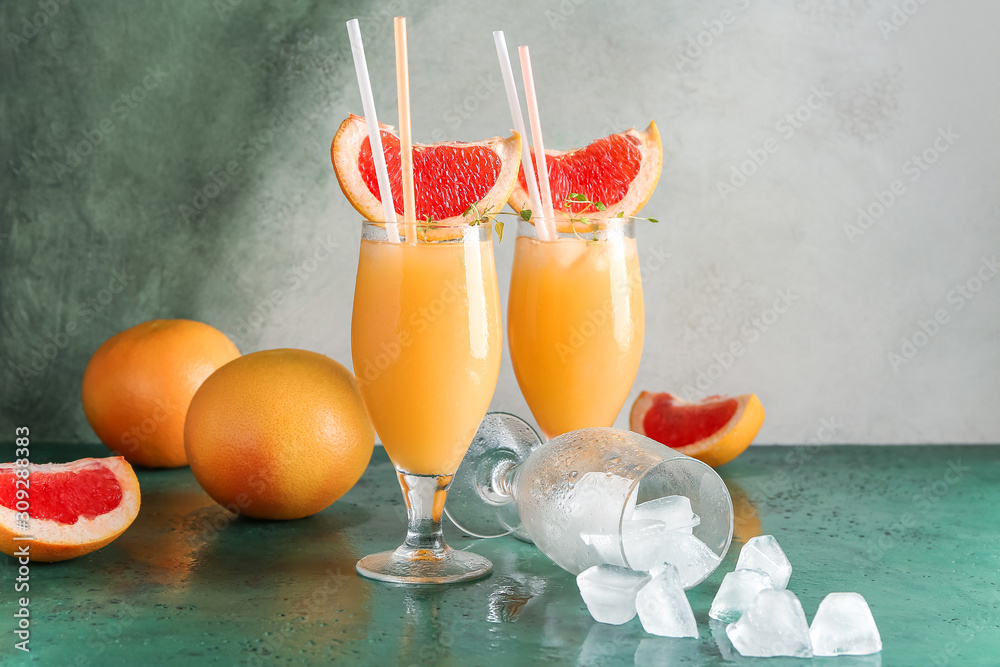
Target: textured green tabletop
x: 914, y: 529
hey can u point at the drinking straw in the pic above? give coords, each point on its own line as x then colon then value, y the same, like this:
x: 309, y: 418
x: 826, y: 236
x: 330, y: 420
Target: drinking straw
x: 405, y: 139
x: 542, y: 224
x: 374, y: 133
x: 536, y: 131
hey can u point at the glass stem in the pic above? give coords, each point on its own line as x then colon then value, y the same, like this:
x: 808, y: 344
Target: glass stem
x: 425, y: 496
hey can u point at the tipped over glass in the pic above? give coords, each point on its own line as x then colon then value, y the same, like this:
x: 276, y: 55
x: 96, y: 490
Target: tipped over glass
x: 575, y: 495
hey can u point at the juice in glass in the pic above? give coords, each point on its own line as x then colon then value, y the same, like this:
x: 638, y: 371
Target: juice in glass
x: 426, y: 341
x: 575, y: 324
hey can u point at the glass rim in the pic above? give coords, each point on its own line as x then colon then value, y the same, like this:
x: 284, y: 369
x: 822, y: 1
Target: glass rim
x: 422, y: 224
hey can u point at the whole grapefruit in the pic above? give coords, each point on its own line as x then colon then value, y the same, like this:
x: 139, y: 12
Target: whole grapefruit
x: 139, y: 383
x: 278, y: 434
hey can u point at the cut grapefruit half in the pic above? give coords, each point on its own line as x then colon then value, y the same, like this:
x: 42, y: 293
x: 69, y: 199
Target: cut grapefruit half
x: 620, y: 171
x: 715, y: 430
x: 447, y: 177
x: 73, y: 508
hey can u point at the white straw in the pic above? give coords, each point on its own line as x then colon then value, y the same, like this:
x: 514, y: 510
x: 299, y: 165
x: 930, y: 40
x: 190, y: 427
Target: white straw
x: 374, y: 133
x: 518, y: 120
x: 536, y: 131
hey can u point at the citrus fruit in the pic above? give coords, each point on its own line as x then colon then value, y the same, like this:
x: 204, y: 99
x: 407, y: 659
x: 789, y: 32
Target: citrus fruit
x: 715, y: 430
x: 620, y: 171
x: 447, y: 177
x: 138, y: 384
x: 278, y: 434
x: 73, y: 508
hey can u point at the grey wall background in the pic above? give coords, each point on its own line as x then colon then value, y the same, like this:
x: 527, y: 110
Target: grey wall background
x: 116, y: 114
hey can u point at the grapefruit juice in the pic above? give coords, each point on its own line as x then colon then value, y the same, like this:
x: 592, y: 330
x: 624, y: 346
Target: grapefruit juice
x: 575, y: 325
x: 426, y: 341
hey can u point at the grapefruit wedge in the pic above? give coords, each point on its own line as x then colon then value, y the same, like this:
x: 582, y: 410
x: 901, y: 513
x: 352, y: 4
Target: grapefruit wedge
x: 73, y: 508
x: 447, y: 177
x: 715, y: 430
x: 619, y: 171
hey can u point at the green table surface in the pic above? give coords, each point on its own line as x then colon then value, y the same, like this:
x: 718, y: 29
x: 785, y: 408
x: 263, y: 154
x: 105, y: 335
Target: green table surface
x: 913, y: 529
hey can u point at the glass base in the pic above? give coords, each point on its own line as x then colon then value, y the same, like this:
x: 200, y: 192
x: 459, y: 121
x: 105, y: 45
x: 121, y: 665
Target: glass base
x: 423, y: 566
x: 478, y: 503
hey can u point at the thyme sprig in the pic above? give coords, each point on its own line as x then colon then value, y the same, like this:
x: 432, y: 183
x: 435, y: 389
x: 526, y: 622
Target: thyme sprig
x: 482, y: 214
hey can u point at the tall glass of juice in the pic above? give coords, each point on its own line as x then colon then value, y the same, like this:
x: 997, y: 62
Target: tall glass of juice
x: 575, y: 321
x: 426, y: 341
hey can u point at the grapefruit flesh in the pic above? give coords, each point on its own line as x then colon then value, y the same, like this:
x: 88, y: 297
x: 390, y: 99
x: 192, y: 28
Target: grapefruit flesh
x: 620, y: 171
x: 447, y: 177
x: 715, y: 430
x: 438, y: 193
x: 64, y: 497
x: 73, y: 508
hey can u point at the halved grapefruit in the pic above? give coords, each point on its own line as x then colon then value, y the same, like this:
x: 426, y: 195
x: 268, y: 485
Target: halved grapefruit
x: 447, y: 177
x: 715, y: 430
x: 619, y: 171
x: 73, y: 508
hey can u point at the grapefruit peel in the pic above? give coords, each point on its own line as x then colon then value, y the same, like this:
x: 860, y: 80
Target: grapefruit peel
x: 351, y: 138
x: 719, y: 447
x: 52, y: 540
x: 580, y: 201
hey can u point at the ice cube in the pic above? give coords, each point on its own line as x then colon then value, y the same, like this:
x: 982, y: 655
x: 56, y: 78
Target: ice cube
x: 660, y: 651
x: 844, y: 625
x: 692, y: 558
x: 610, y: 591
x: 605, y: 644
x: 718, y: 630
x: 737, y: 591
x: 763, y: 553
x: 774, y: 624
x: 608, y: 548
x: 597, y: 502
x: 664, y: 608
x: 674, y: 511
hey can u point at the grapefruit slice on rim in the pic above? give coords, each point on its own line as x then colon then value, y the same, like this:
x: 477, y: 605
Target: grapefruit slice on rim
x: 619, y: 171
x: 73, y: 508
x: 447, y: 177
x: 715, y: 430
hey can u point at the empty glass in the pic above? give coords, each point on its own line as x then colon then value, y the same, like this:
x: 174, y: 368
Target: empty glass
x: 574, y: 494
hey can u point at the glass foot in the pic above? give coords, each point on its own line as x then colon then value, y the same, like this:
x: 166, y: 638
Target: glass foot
x: 424, y: 567
x: 479, y: 503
